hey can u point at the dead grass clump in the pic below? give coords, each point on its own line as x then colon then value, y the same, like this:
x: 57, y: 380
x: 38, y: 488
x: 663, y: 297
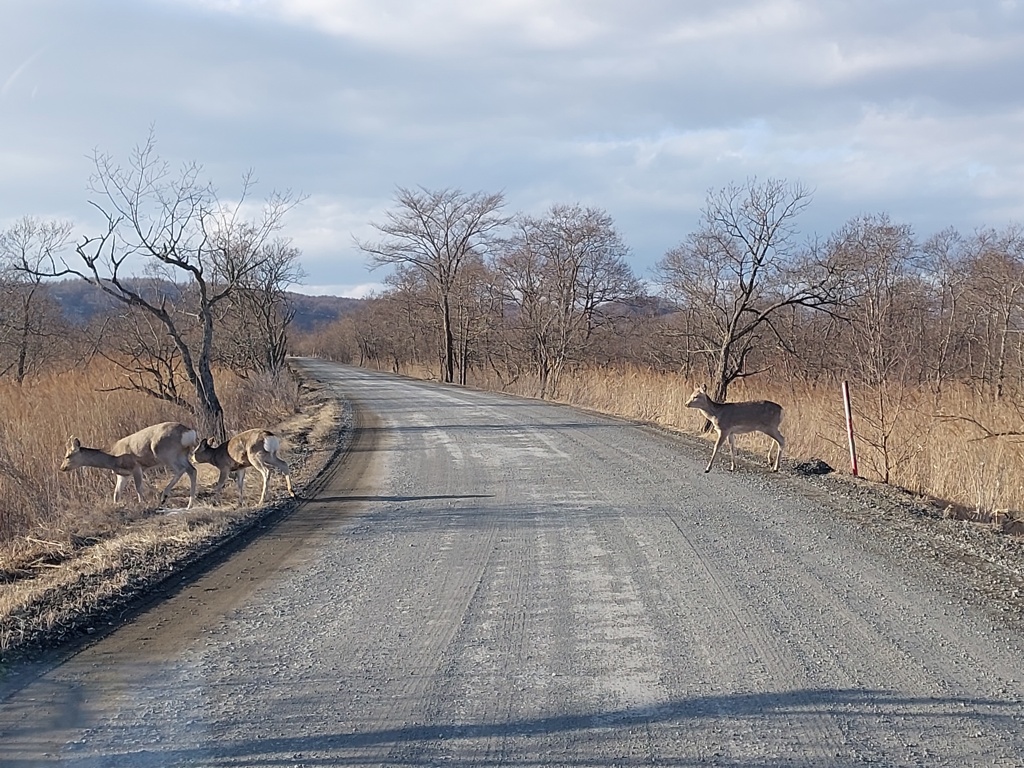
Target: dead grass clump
x: 259, y: 400
x: 60, y: 601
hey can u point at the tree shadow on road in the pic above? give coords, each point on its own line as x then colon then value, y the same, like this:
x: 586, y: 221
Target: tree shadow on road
x: 458, y: 743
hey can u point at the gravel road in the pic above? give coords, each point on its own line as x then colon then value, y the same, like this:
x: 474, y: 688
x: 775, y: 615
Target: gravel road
x: 485, y: 580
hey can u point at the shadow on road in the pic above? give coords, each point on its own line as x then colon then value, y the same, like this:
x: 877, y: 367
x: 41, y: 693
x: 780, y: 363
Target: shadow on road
x: 418, y: 744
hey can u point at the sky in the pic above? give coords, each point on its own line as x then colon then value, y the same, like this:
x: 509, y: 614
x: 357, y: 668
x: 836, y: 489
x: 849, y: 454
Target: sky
x: 912, y: 108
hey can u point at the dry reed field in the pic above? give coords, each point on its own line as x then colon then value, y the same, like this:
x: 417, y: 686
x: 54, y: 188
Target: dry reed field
x: 927, y: 443
x: 37, y: 419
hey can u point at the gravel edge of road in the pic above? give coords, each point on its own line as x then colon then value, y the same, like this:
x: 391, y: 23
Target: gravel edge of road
x: 976, y: 560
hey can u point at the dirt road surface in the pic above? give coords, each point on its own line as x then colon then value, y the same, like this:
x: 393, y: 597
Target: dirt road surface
x: 488, y: 581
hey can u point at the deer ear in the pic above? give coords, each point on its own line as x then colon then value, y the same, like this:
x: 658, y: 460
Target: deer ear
x: 704, y: 388
x: 74, y: 443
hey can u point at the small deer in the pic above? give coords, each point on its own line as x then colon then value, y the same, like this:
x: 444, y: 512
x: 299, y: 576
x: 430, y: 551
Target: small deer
x: 730, y: 419
x: 167, y: 444
x: 254, y: 448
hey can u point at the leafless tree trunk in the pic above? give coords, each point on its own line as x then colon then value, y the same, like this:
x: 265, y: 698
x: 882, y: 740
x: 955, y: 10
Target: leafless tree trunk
x: 436, y: 232
x: 559, y: 271
x: 175, y: 228
x: 944, y: 255
x: 888, y: 303
x: 257, y: 317
x: 994, y: 274
x: 477, y: 300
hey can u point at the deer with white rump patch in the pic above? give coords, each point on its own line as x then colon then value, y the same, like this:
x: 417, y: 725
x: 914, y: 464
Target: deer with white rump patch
x: 730, y: 419
x: 254, y: 448
x: 167, y: 444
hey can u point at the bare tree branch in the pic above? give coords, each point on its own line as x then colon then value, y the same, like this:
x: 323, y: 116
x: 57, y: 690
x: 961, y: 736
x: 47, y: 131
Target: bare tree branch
x: 174, y: 227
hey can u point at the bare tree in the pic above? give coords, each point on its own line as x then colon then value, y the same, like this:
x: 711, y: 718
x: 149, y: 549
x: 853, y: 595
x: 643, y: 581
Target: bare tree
x: 149, y: 359
x: 945, y: 257
x: 559, y: 271
x: 174, y: 227
x: 257, y: 316
x: 29, y: 321
x: 408, y: 318
x: 436, y: 232
x: 993, y: 264
x: 478, y: 303
x: 395, y: 330
x: 740, y: 269
x: 885, y: 294
x: 887, y: 301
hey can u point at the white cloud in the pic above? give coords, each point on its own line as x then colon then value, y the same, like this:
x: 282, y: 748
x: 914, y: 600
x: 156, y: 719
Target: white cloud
x: 715, y: 22
x: 429, y: 28
x: 637, y: 108
x: 859, y: 58
x: 345, y: 290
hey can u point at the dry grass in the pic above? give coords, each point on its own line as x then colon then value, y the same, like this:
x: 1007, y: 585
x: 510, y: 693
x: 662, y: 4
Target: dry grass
x: 927, y: 442
x: 54, y: 601
x: 37, y: 419
x: 35, y: 423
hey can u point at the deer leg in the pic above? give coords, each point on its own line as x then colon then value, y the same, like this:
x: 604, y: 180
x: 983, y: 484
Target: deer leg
x: 781, y: 442
x: 266, y: 484
x: 137, y: 477
x: 282, y: 466
x: 221, y: 479
x: 167, y: 490
x: 191, y: 472
x: 264, y: 471
x: 714, y: 452
x: 179, y: 471
x: 118, y: 482
x: 240, y: 483
x: 732, y: 453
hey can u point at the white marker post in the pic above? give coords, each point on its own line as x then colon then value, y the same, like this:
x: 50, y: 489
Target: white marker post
x: 849, y: 427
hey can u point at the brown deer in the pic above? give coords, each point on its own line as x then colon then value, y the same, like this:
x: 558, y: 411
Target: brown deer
x: 167, y: 444
x: 730, y: 419
x: 254, y: 448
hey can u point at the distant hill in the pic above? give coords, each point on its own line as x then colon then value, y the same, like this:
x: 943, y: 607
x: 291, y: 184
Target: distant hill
x: 81, y: 302
x: 313, y: 312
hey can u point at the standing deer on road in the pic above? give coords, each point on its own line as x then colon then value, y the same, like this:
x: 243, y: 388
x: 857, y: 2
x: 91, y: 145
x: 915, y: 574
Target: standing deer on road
x: 167, y: 444
x: 730, y: 419
x: 254, y: 448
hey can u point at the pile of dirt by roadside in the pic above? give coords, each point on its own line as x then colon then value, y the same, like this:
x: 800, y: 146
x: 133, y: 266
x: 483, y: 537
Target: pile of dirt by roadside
x: 50, y: 601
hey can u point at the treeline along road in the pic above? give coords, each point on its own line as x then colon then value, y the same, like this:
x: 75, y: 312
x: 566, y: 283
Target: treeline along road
x: 485, y: 580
